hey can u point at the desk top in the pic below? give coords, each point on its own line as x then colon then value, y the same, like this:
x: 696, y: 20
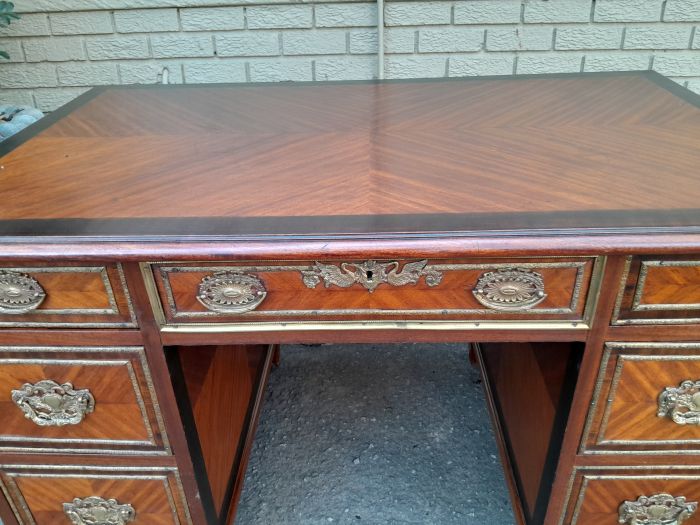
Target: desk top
x: 608, y: 152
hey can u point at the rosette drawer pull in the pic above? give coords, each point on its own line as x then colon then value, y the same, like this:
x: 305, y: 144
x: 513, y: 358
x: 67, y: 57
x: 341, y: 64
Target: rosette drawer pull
x: 98, y: 511
x: 231, y: 292
x: 19, y: 293
x: 660, y: 509
x: 510, y: 289
x: 682, y: 403
x: 49, y: 404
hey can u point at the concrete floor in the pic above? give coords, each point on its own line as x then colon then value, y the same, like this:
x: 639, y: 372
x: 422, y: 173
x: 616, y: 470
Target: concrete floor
x: 375, y: 434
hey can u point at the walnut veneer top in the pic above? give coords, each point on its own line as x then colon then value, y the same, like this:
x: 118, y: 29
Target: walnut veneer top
x: 601, y: 150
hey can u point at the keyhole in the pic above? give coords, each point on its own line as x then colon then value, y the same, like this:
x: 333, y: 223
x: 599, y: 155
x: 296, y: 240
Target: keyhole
x: 370, y: 274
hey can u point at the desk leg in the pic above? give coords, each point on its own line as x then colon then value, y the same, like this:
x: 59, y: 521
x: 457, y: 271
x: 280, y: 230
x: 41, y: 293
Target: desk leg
x: 220, y: 391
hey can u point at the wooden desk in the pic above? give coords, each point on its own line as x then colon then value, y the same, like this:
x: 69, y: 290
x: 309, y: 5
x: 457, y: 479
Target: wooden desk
x: 156, y: 241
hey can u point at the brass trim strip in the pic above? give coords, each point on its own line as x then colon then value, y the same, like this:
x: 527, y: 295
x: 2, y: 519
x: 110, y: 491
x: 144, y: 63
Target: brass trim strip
x: 139, y: 352
x: 637, y: 305
x: 614, y: 382
x: 621, y: 291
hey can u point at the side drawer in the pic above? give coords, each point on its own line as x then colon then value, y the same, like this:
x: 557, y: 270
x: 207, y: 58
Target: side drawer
x: 658, y: 290
x: 633, y: 496
x: 81, y: 399
x: 551, y: 289
x: 70, y: 295
x: 647, y: 398
x: 51, y: 494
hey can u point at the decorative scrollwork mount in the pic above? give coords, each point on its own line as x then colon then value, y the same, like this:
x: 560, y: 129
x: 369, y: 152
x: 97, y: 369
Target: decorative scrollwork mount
x: 660, y: 509
x: 370, y: 274
x: 681, y: 403
x: 231, y: 292
x: 98, y: 511
x: 19, y: 293
x: 510, y: 289
x: 49, y: 404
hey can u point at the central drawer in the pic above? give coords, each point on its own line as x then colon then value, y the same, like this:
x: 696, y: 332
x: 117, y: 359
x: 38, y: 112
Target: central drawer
x: 548, y: 289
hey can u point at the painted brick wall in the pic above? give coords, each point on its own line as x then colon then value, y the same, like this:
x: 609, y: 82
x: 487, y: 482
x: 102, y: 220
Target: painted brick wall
x: 61, y: 47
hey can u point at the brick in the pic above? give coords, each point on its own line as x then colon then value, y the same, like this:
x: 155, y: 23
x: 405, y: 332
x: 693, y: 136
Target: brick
x: 627, y: 10
x: 589, y: 37
x: 346, y: 68
x: 57, y: 49
x: 52, y: 99
x: 12, y: 47
x: 363, y: 41
x: 214, y: 71
x: 528, y: 38
x: 696, y: 39
x: 279, y: 16
x: 27, y: 75
x: 140, y: 72
x: 28, y: 25
x: 280, y: 70
x: 415, y: 66
x: 682, y: 11
x: 549, y: 63
x: 487, y: 12
x: 681, y: 64
x: 212, y: 19
x: 400, y: 40
x: 323, y: 42
x: 109, y: 48
x: 500, y: 64
x: 417, y: 13
x: 616, y: 62
x: 655, y: 37
x: 87, y: 74
x: 346, y: 15
x: 81, y: 23
x: 17, y: 97
x: 249, y: 43
x: 146, y: 20
x: 450, y: 40
x: 558, y: 11
x: 694, y: 85
x: 173, y: 46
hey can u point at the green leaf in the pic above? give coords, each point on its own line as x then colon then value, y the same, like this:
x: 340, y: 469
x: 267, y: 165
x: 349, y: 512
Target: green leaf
x: 7, y: 13
x: 4, y: 54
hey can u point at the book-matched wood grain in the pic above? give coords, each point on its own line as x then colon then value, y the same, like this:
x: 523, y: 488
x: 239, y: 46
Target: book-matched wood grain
x: 566, y: 282
x: 40, y: 492
x: 125, y: 416
x: 427, y: 151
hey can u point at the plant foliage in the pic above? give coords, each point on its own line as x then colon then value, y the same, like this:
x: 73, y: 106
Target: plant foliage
x: 7, y: 15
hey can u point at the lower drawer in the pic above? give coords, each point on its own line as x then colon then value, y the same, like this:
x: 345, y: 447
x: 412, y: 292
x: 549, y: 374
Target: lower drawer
x: 53, y: 495
x: 634, y: 496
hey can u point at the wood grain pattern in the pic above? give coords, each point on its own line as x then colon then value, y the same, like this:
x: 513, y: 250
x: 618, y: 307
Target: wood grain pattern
x: 625, y: 407
x: 660, y: 290
x: 222, y: 382
x: 289, y: 299
x: 531, y: 386
x: 124, y: 418
x: 597, y: 493
x: 38, y: 493
x: 77, y: 295
x: 563, y: 144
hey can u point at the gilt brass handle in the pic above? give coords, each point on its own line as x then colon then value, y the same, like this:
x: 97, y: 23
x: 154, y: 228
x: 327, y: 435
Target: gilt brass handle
x: 510, y: 289
x: 19, y: 293
x: 660, y: 509
x: 49, y: 404
x: 682, y: 403
x: 98, y: 511
x: 231, y: 292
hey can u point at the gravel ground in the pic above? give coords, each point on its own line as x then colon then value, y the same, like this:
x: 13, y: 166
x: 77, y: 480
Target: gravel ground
x: 374, y: 434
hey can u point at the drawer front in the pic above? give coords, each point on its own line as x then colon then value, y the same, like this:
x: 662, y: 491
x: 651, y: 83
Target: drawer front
x: 70, y: 295
x: 647, y: 399
x: 51, y: 495
x: 519, y: 290
x: 634, y: 496
x: 659, y: 291
x: 78, y: 399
